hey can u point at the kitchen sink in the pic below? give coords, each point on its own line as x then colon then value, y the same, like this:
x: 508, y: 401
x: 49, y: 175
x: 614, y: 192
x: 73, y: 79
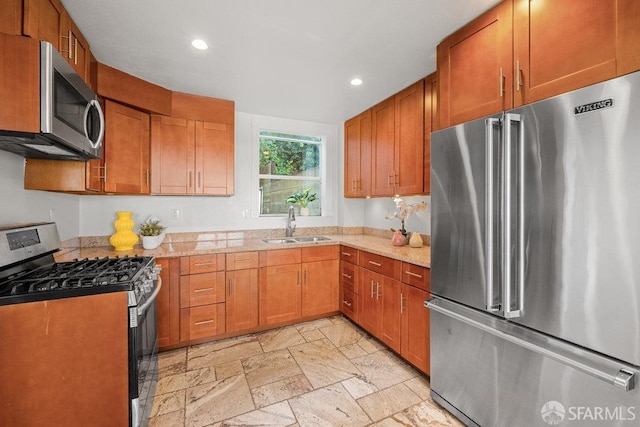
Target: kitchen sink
x: 276, y: 241
x: 310, y: 239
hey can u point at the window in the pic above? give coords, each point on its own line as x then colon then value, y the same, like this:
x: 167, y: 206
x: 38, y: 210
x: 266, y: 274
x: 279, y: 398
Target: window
x: 288, y: 164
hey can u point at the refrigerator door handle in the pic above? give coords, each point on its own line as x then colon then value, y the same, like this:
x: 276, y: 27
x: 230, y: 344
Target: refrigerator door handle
x: 491, y: 285
x: 513, y: 284
x: 492, y: 305
x: 607, y: 370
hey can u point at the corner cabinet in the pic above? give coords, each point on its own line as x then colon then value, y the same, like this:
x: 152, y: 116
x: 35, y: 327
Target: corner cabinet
x: 193, y: 157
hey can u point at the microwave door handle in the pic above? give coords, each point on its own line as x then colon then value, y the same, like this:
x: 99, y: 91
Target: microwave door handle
x: 96, y: 104
x: 490, y: 125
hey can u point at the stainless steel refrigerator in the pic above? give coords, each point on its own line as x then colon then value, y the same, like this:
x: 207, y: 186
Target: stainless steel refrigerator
x: 535, y: 266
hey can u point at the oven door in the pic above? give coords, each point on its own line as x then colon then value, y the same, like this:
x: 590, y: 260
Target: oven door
x: 143, y: 358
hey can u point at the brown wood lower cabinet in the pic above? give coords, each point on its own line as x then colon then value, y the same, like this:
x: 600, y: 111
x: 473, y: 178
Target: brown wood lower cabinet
x: 280, y: 296
x: 415, y: 327
x: 168, y: 303
x: 242, y: 291
x: 349, y: 283
x: 389, y: 309
x: 320, y: 284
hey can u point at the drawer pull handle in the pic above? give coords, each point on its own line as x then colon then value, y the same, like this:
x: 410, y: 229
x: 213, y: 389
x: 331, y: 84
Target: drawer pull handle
x: 346, y: 254
x: 204, y: 322
x: 347, y: 303
x: 202, y: 290
x: 200, y: 264
x: 347, y: 276
x: 410, y: 273
x: 377, y: 264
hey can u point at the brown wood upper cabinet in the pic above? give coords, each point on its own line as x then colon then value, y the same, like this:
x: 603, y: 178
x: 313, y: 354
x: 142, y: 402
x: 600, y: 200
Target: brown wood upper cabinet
x: 49, y: 20
x: 193, y: 156
x: 397, y: 143
x: 357, y: 156
x: 523, y: 51
x: 474, y: 68
x: 124, y: 168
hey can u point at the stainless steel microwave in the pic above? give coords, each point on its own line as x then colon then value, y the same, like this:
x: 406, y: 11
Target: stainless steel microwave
x: 71, y: 118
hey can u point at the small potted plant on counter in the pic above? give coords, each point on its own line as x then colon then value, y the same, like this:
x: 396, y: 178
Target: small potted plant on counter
x: 302, y: 198
x: 152, y: 233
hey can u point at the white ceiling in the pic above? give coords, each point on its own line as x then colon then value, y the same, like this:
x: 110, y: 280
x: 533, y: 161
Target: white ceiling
x: 283, y: 58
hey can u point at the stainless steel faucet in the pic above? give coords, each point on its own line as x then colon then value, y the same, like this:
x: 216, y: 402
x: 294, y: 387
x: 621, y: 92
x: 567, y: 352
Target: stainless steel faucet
x: 291, y: 217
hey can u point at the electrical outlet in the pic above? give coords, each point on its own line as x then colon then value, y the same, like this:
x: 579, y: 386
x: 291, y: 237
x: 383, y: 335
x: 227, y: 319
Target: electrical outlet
x: 175, y: 214
x: 52, y: 215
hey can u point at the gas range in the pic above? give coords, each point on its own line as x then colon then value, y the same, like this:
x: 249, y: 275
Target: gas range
x: 28, y: 271
x: 81, y: 277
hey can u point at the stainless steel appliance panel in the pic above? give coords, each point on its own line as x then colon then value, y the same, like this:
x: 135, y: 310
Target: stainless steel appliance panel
x: 495, y: 382
x: 579, y: 198
x: 464, y: 213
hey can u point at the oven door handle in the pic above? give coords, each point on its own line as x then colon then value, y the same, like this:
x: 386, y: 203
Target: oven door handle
x: 152, y: 298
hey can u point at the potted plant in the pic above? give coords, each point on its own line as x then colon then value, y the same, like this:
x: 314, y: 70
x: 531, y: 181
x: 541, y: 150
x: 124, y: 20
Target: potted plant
x: 152, y: 233
x: 302, y: 198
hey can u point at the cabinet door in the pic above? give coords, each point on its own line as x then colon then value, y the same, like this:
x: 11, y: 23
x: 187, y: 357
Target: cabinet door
x: 41, y: 21
x: 242, y: 299
x: 126, y: 155
x: 74, y: 46
x: 214, y: 156
x: 474, y: 68
x: 349, y: 305
x: 388, y: 294
x: 280, y: 294
x: 172, y: 155
x: 430, y: 120
x: 168, y: 303
x: 382, y: 148
x: 320, y: 287
x: 628, y: 37
x: 357, y: 156
x: 11, y: 11
x: 409, y: 139
x: 562, y: 45
x: 368, y: 300
x: 415, y: 327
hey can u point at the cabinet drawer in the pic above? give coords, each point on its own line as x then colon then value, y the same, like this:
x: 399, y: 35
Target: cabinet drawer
x: 349, y: 304
x: 319, y: 253
x: 280, y: 257
x: 242, y: 261
x: 349, y: 276
x: 349, y: 254
x: 417, y: 276
x: 202, y: 289
x: 201, y: 264
x: 380, y: 264
x: 202, y: 322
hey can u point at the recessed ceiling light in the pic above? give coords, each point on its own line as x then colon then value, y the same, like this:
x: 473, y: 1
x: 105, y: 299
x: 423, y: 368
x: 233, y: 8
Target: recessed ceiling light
x: 356, y: 82
x: 199, y: 44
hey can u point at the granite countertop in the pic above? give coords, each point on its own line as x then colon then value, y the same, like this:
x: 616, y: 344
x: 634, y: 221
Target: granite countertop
x: 378, y: 245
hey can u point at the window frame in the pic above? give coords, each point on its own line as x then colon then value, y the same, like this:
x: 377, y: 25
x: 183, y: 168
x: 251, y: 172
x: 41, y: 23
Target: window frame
x: 328, y: 176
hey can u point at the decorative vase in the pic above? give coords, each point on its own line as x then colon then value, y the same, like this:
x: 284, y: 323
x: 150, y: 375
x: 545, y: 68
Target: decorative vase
x: 416, y: 240
x: 124, y: 238
x: 152, y: 242
x: 398, y: 239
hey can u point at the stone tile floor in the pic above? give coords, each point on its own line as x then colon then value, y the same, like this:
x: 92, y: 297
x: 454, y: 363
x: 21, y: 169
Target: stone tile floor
x: 326, y: 372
